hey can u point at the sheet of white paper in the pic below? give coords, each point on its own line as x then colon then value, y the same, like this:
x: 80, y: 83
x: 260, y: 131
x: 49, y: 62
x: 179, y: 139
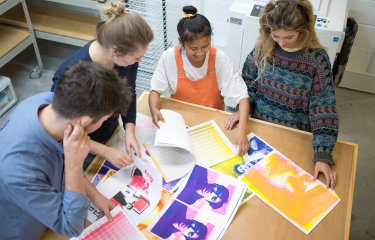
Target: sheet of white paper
x: 210, y: 145
x: 173, y: 131
x: 145, y: 129
x: 173, y: 162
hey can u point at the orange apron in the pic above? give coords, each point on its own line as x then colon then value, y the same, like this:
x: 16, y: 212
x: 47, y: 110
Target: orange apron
x: 204, y: 91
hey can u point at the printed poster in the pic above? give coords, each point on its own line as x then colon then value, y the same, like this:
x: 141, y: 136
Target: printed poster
x: 236, y: 166
x: 145, y: 131
x: 137, y: 188
x: 143, y: 226
x: 203, y: 208
x: 120, y: 228
x: 210, y: 145
x: 291, y: 191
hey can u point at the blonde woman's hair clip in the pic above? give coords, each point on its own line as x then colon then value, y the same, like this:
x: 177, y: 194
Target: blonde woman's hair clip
x: 187, y: 15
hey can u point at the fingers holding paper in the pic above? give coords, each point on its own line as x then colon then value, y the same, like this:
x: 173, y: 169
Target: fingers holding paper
x: 102, y: 203
x: 105, y: 206
x: 242, y: 144
x: 131, y: 142
x: 118, y: 158
x: 154, y: 103
x: 157, y: 117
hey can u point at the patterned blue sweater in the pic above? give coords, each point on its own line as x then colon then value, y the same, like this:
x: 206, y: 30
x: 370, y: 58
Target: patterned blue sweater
x: 296, y: 91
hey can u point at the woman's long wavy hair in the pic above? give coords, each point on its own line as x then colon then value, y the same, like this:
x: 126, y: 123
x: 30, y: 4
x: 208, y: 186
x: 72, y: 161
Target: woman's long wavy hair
x: 292, y: 15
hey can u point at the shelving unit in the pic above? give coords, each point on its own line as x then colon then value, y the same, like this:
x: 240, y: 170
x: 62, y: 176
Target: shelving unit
x: 73, y: 22
x: 14, y: 40
x: 54, y: 24
x: 90, y: 4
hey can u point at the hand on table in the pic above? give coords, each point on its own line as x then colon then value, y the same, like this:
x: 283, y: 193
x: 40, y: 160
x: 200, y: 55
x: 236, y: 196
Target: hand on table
x: 231, y: 121
x: 330, y: 175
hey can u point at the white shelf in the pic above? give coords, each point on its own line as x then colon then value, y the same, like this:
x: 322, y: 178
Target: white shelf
x: 14, y: 40
x: 55, y: 25
x: 5, y: 5
x: 91, y: 4
x: 63, y: 21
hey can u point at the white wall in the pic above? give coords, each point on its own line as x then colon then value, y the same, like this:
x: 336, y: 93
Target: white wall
x: 215, y: 10
x: 360, y: 70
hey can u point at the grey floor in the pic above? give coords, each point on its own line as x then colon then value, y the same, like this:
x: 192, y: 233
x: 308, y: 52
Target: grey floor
x: 356, y: 111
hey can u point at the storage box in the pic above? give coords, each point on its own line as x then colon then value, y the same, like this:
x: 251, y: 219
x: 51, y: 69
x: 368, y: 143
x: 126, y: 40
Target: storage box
x: 7, y: 95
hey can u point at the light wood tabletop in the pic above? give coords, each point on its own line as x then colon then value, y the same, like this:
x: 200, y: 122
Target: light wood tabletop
x: 255, y: 219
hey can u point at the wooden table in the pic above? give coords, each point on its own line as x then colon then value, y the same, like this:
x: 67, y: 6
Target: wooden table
x: 255, y: 219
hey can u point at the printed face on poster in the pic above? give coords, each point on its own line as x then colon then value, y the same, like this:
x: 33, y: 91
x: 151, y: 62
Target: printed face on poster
x: 203, y: 207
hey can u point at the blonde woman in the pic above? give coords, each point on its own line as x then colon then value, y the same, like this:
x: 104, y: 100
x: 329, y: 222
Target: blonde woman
x: 289, y: 80
x: 122, y: 39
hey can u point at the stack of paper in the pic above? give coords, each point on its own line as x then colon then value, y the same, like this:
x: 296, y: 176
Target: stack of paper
x: 171, y: 151
x: 290, y: 190
x: 203, y: 208
x: 137, y: 188
x: 177, y: 148
x: 120, y: 228
x: 209, y: 199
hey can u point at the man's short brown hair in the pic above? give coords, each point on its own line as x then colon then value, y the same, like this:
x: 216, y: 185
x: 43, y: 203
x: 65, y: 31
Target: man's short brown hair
x: 87, y: 88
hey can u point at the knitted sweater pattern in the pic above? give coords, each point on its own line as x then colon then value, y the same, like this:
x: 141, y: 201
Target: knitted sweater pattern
x: 296, y: 90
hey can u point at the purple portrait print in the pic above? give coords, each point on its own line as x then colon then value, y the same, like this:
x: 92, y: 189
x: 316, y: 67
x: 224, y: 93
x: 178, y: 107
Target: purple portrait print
x: 201, y: 188
x: 179, y: 223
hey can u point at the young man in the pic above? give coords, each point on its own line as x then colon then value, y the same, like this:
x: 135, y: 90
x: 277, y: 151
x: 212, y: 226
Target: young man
x: 44, y: 142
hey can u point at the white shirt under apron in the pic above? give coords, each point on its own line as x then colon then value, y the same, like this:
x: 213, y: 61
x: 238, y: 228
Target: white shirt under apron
x: 231, y: 85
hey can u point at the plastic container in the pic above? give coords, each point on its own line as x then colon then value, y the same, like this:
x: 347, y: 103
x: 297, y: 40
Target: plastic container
x: 7, y: 95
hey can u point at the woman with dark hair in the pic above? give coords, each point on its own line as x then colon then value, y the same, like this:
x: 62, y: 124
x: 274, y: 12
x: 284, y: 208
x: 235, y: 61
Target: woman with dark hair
x: 122, y: 39
x: 289, y: 79
x: 197, y: 73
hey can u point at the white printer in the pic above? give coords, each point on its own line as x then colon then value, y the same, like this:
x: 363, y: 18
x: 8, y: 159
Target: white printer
x: 243, y: 27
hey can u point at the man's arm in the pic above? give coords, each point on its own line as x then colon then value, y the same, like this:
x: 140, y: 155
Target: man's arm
x: 101, y: 202
x: 242, y: 143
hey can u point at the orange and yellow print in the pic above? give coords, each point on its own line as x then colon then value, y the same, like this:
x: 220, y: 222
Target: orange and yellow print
x: 291, y: 191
